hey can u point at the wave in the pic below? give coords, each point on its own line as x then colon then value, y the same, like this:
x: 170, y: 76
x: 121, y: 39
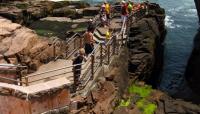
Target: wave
x: 169, y: 23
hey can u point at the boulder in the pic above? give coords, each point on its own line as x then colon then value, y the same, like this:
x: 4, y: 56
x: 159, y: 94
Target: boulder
x: 64, y: 11
x: 11, y: 12
x: 91, y: 11
x: 23, y: 46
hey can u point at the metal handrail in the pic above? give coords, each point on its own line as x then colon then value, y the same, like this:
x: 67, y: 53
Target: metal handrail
x: 12, y: 65
x: 9, y: 79
x: 69, y: 39
x: 53, y: 70
x: 71, y: 66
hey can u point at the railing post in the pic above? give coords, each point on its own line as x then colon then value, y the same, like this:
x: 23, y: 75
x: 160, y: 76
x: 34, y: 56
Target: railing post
x: 67, y: 51
x: 108, y: 49
x: 20, y: 77
x: 92, y: 67
x: 81, y: 43
x: 117, y: 44
x: 54, y: 50
x: 101, y: 54
x: 114, y: 45
x: 74, y: 43
x: 26, y: 81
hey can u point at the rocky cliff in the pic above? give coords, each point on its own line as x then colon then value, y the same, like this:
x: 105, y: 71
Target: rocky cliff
x: 192, y: 70
x: 197, y: 3
x: 29, y: 11
x: 118, y: 93
x: 20, y: 45
x: 145, y: 43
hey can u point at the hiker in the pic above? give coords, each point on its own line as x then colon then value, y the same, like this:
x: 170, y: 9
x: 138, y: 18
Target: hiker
x: 77, y: 61
x: 103, y: 19
x: 107, y: 11
x: 104, y: 12
x: 89, y: 42
x: 130, y: 7
x: 91, y: 26
x: 103, y: 8
x: 124, y: 11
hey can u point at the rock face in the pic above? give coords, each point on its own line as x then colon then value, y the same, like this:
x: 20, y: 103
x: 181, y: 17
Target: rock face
x: 197, y: 3
x: 145, y: 43
x: 164, y: 104
x: 20, y: 45
x: 167, y: 105
x: 192, y: 70
x: 26, y: 12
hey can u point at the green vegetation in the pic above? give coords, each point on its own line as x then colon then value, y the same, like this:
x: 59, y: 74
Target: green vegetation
x: 79, y: 29
x: 124, y: 103
x: 142, y: 91
x: 22, y: 6
x: 47, y: 33
x: 146, y: 107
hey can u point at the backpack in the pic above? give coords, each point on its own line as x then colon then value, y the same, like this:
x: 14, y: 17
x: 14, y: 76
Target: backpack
x: 107, y: 8
x: 130, y: 7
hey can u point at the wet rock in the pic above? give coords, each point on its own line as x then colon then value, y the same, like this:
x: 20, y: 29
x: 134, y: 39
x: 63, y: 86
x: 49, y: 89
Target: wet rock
x: 65, y: 11
x: 145, y: 38
x: 192, y: 70
x: 91, y: 11
x: 168, y: 105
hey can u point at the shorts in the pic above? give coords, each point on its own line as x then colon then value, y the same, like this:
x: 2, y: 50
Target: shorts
x: 108, y: 16
x: 88, y: 48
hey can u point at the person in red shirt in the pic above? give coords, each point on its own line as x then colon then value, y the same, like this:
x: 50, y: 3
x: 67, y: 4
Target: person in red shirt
x: 124, y: 11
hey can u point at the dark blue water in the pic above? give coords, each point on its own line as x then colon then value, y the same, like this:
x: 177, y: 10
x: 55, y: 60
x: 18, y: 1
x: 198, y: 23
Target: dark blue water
x: 181, y: 23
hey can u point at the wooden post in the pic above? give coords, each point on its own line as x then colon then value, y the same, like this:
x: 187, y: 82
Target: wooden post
x: 67, y: 51
x: 108, y: 49
x: 75, y: 43
x: 54, y: 50
x: 81, y: 43
x: 20, y: 76
x: 114, y: 45
x: 26, y: 81
x: 101, y: 54
x: 92, y: 67
x: 117, y: 45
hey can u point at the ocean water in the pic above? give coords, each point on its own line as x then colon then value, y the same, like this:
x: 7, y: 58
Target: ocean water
x: 181, y: 24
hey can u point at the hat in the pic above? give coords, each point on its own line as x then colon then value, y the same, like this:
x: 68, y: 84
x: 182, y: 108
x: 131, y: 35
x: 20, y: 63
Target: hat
x: 82, y: 51
x: 123, y: 1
